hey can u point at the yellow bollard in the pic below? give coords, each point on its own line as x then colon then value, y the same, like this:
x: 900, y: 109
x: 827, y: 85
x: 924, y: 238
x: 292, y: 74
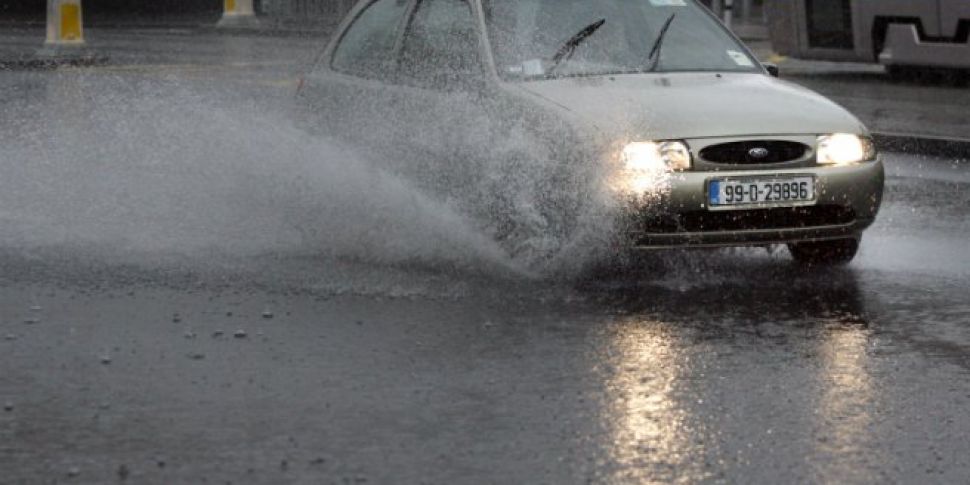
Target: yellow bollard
x: 238, y: 14
x: 65, y: 24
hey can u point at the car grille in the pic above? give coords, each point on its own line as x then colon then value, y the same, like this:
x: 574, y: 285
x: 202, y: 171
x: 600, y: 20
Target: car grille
x: 743, y: 152
x: 751, y: 219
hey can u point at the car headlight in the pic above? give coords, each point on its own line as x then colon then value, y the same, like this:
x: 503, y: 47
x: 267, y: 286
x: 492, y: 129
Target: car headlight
x: 648, y: 165
x: 845, y: 149
x: 656, y: 156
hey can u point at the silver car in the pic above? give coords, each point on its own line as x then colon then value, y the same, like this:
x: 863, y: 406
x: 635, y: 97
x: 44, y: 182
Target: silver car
x: 653, y: 101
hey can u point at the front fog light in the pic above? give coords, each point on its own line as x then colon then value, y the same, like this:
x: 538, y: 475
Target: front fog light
x: 845, y: 149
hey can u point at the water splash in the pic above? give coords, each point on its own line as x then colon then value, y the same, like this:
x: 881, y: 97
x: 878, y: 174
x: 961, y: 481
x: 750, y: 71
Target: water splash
x: 155, y: 167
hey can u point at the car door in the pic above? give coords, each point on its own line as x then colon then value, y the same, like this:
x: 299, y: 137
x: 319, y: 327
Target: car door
x: 347, y: 92
x: 445, y: 97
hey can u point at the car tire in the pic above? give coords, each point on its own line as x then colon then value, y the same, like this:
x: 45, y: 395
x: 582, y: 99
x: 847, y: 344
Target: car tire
x: 825, y: 253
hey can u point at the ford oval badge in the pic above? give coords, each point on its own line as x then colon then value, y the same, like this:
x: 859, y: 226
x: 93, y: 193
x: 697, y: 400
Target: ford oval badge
x: 758, y: 153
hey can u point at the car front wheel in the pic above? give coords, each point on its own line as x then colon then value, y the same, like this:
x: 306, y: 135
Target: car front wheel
x: 826, y: 253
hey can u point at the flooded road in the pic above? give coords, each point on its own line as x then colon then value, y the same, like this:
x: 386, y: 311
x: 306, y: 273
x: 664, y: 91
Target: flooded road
x: 194, y: 290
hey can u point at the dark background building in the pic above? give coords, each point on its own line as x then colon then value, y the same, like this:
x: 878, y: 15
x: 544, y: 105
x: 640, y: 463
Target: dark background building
x: 102, y: 10
x: 99, y: 11
x: 309, y: 13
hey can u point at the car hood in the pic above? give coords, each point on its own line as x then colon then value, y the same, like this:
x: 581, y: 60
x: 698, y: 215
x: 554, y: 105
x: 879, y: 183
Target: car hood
x: 694, y: 105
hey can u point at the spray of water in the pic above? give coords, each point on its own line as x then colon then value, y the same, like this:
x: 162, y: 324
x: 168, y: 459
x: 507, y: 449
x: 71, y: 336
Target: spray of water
x: 158, y: 167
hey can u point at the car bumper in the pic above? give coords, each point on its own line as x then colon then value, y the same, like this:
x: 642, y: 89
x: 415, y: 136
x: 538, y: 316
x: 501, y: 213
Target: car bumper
x: 848, y: 199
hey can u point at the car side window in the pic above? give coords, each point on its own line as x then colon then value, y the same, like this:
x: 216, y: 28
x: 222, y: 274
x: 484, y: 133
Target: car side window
x: 441, y: 49
x: 367, y: 47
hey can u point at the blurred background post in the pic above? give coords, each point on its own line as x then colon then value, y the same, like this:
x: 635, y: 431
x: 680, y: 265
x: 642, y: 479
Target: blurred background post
x: 238, y: 14
x: 65, y: 24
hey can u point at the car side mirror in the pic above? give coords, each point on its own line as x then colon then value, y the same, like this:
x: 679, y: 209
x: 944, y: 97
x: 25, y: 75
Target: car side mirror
x: 772, y: 69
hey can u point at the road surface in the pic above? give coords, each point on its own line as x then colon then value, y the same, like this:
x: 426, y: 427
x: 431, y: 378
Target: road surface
x: 192, y: 290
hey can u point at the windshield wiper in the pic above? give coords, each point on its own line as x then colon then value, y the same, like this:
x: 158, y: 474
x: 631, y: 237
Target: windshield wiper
x: 654, y: 57
x: 567, y: 49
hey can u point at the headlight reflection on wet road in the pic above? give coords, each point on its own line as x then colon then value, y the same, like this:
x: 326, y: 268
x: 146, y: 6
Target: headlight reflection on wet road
x: 846, y: 399
x: 652, y: 435
x: 670, y: 383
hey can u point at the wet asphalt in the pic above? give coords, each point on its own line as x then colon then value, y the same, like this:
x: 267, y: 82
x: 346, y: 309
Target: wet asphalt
x: 294, y: 367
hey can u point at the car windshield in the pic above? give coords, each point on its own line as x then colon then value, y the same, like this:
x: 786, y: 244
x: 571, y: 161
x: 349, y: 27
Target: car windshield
x: 526, y: 34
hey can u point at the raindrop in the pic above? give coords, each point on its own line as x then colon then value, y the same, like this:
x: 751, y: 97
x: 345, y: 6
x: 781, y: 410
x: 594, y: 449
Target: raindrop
x: 176, y: 318
x: 189, y: 334
x: 105, y: 359
x: 267, y: 314
x: 8, y: 406
x: 197, y: 356
x: 32, y: 320
x: 35, y: 308
x: 123, y: 472
x: 218, y: 333
x: 73, y: 471
x: 10, y: 336
x: 239, y: 334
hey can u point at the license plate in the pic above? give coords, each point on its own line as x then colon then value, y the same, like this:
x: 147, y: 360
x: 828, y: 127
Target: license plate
x: 774, y: 191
